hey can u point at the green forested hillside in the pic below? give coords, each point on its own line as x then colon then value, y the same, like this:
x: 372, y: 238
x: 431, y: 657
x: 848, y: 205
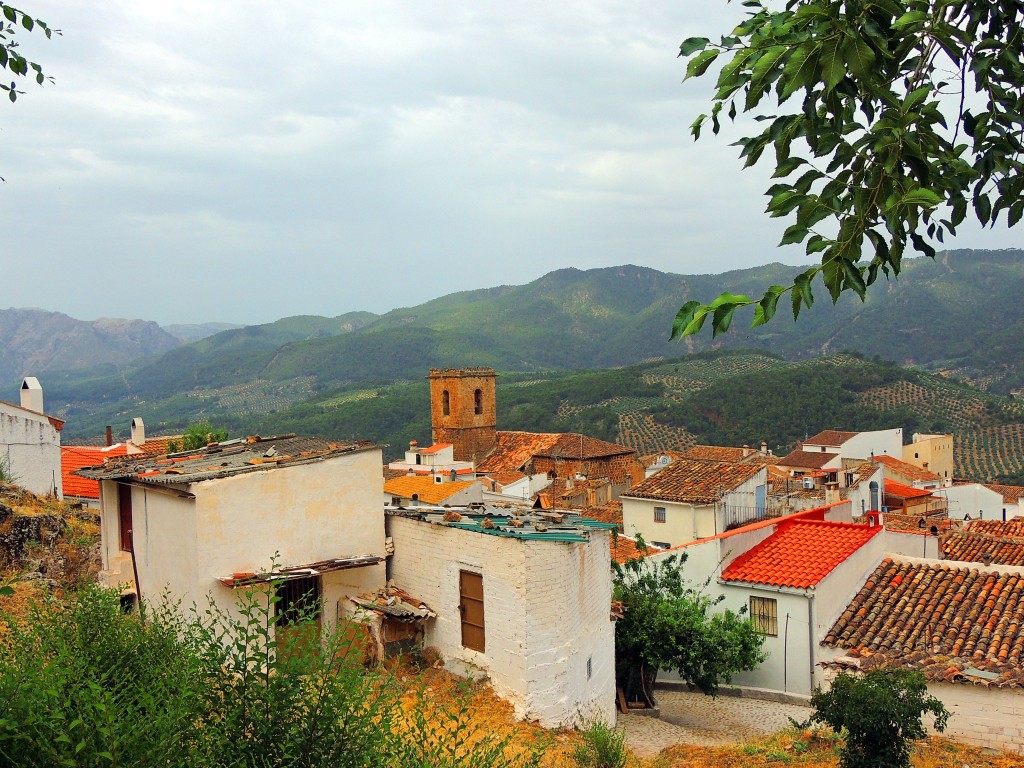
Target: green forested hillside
x: 728, y: 398
x: 956, y: 314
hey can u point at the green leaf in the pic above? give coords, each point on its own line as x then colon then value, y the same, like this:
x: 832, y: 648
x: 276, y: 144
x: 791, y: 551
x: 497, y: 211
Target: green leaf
x: 910, y: 17
x: 691, y: 45
x: 765, y: 309
x: 683, y: 318
x: 793, y: 234
x: 832, y: 67
x: 854, y: 279
x: 722, y: 319
x: 699, y: 65
x: 729, y: 298
x: 982, y: 207
x: 920, y: 196
x: 10, y: 13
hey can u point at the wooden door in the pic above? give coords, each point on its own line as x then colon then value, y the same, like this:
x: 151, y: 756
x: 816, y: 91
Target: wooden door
x: 471, y: 606
x: 124, y: 515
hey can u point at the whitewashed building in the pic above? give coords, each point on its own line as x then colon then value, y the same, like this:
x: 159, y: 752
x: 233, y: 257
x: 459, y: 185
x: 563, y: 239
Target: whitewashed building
x: 30, y: 442
x: 523, y: 600
x: 196, y: 525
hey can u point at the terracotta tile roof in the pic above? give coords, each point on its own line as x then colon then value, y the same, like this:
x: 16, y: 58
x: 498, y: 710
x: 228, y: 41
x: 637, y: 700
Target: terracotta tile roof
x: 1012, y: 527
x: 569, y: 444
x: 901, y: 491
x: 74, y: 457
x: 605, y: 513
x: 968, y: 546
x: 694, y: 481
x: 800, y: 554
x: 830, y: 437
x: 156, y: 446
x: 515, y: 449
x: 425, y: 489
x: 650, y: 458
x: 506, y: 478
x: 943, y: 620
x: 435, y: 448
x: 1011, y: 493
x: 390, y: 474
x: 625, y: 548
x: 717, y: 453
x: 906, y: 469
x: 894, y: 521
x: 806, y: 459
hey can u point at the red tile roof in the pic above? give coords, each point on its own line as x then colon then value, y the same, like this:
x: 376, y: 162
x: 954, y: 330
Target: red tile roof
x: 74, y: 457
x: 806, y: 459
x: 1012, y: 527
x: 717, y: 453
x: 694, y: 481
x: 515, y: 449
x: 155, y: 446
x: 1011, y: 493
x: 830, y: 437
x: 800, y: 554
x: 970, y: 547
x: 943, y: 620
x: 909, y: 471
x: 425, y: 489
x: 625, y: 548
x: 650, y: 458
x: 435, y: 448
x: 901, y: 491
x: 605, y: 513
x: 570, y: 444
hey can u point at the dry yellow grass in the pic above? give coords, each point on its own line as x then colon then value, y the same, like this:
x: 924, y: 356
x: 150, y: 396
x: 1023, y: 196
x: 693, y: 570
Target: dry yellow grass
x: 438, y: 693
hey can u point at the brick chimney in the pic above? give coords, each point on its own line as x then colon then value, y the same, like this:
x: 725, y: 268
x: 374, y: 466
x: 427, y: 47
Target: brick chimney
x: 138, y: 431
x: 32, y: 394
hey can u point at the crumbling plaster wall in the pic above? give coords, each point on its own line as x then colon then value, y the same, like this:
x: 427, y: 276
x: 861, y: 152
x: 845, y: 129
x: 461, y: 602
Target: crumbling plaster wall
x: 546, y: 612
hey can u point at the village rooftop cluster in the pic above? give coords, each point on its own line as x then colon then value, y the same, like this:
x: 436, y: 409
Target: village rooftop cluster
x: 858, y: 550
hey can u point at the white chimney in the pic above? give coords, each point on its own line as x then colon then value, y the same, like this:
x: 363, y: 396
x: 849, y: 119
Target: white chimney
x: 138, y: 431
x: 32, y: 394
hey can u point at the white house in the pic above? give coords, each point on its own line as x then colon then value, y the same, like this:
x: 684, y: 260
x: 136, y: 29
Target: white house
x: 198, y: 524
x: 413, y: 490
x: 861, y: 446
x: 973, y: 501
x: 692, y: 498
x: 437, y: 459
x: 522, y: 598
x: 30, y: 442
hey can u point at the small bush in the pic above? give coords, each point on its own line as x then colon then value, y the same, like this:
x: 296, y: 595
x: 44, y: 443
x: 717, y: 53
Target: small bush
x: 602, y: 746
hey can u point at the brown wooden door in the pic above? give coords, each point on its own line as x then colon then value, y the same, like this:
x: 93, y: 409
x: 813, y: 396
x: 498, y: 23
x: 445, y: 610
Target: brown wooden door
x: 124, y: 515
x: 471, y: 606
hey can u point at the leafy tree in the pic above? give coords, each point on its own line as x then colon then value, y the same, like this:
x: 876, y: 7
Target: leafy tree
x: 881, y: 714
x: 907, y: 119
x: 10, y: 58
x: 668, y: 624
x: 197, y: 435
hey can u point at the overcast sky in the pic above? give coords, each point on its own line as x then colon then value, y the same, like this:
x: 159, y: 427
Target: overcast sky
x: 245, y: 161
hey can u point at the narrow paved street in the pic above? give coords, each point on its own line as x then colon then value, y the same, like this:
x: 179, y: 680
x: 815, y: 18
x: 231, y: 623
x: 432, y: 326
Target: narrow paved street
x: 692, y: 718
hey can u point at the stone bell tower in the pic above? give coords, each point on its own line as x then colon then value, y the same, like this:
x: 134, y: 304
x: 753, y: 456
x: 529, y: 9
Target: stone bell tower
x: 463, y: 410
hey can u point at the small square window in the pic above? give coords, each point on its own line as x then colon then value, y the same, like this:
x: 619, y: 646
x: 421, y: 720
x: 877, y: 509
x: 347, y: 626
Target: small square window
x: 659, y: 514
x: 764, y: 614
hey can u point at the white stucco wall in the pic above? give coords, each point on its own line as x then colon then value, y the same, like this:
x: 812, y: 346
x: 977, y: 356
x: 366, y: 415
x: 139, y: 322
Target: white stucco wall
x: 879, y: 442
x: 30, y: 445
x: 546, y: 612
x: 302, y: 513
x: 976, y: 500
x: 984, y: 716
x: 683, y: 522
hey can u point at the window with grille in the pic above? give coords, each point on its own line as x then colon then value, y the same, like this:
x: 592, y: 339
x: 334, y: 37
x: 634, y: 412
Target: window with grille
x: 764, y: 613
x: 659, y: 514
x: 298, y: 599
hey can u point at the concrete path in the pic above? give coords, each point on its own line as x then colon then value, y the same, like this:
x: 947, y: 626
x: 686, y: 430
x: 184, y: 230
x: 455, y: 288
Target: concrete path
x: 692, y: 718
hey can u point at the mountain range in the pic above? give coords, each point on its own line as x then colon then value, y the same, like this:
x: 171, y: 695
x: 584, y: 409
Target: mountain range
x: 959, y: 313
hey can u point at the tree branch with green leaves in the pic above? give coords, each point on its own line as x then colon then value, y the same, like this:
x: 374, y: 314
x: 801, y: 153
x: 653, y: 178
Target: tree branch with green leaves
x: 13, y: 21
x: 870, y: 101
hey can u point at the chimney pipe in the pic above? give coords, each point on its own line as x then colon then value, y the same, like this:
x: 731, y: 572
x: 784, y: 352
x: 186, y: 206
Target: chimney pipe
x: 110, y: 436
x: 764, y: 448
x: 32, y: 394
x: 138, y: 431
x: 986, y: 558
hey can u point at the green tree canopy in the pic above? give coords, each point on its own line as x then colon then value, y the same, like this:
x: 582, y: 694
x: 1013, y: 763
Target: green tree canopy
x: 198, y: 435
x: 890, y: 122
x: 669, y: 624
x: 880, y: 713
